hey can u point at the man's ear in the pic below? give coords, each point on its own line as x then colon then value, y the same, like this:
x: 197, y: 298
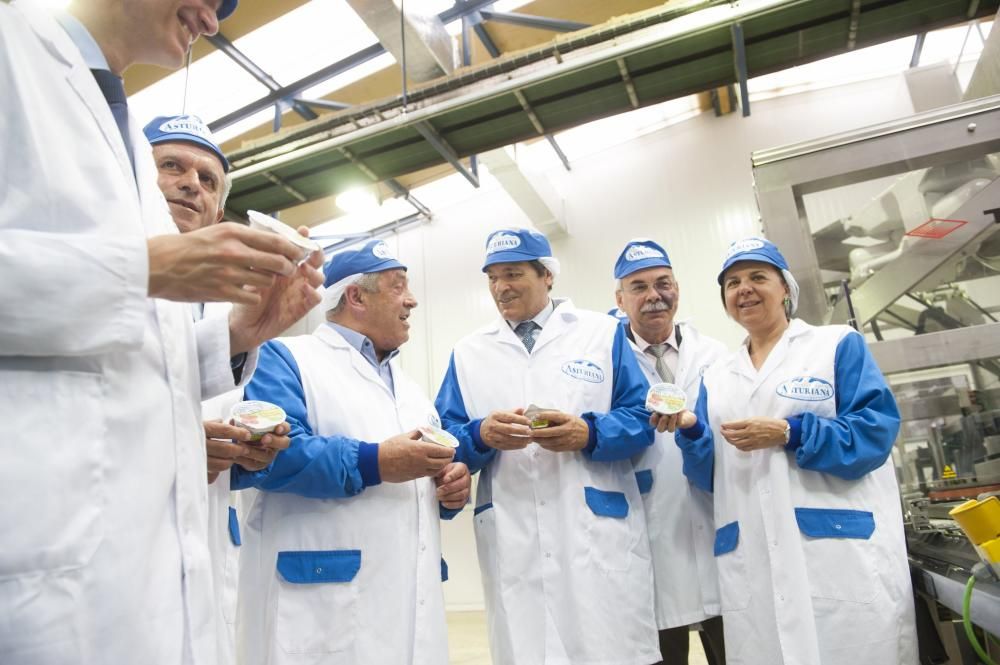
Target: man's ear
x: 218, y: 217
x: 355, y: 296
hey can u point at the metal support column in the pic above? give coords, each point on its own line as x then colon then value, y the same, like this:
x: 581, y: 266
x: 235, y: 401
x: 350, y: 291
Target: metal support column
x: 740, y: 63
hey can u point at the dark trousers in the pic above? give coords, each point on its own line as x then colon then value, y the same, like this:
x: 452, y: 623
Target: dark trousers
x: 674, y: 643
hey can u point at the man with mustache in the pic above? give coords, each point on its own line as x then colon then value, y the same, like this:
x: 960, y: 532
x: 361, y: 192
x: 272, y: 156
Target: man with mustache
x: 559, y: 524
x: 102, y: 369
x: 678, y: 515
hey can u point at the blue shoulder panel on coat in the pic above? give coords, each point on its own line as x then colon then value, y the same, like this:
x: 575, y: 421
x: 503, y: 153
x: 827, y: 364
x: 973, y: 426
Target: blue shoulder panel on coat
x: 319, y: 567
x: 444, y: 570
x: 860, y: 438
x: 835, y: 523
x: 450, y: 406
x: 726, y: 538
x: 606, y: 504
x: 697, y: 446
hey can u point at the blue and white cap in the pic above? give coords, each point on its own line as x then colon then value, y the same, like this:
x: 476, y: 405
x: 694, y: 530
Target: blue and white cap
x: 765, y: 251
x: 639, y: 254
x: 515, y: 245
x: 185, y: 128
x: 347, y: 267
x: 226, y: 8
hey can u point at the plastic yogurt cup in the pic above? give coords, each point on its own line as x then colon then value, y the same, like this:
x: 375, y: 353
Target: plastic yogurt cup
x: 259, y: 418
x: 537, y: 422
x: 262, y: 222
x: 666, y: 398
x: 432, y: 434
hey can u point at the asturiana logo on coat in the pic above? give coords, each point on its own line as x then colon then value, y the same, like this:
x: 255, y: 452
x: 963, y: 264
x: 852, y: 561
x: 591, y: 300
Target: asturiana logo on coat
x: 584, y: 370
x: 502, y: 241
x: 806, y: 389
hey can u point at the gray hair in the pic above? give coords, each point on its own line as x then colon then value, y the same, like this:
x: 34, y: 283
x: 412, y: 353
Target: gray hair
x: 227, y: 186
x: 368, y: 283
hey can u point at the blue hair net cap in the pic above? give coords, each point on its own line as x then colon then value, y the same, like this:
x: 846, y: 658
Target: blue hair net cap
x: 639, y: 254
x: 753, y: 249
x: 184, y: 128
x: 226, y: 8
x: 373, y: 256
x: 514, y: 245
x: 618, y: 314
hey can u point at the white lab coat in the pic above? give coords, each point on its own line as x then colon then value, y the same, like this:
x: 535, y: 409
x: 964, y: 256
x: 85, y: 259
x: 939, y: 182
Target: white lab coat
x: 565, y: 582
x: 376, y: 594
x: 794, y: 590
x: 103, y: 482
x: 679, y: 515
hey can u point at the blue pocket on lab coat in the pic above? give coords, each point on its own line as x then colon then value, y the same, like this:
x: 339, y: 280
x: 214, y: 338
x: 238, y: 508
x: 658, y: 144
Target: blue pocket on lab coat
x: 726, y: 538
x: 644, y: 479
x: 835, y: 523
x: 606, y: 504
x: 234, y: 527
x: 319, y: 567
x: 479, y: 509
x: 444, y: 570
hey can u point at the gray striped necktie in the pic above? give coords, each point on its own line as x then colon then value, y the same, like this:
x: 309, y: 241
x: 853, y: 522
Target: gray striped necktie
x: 658, y: 351
x: 524, y: 332
x: 114, y: 93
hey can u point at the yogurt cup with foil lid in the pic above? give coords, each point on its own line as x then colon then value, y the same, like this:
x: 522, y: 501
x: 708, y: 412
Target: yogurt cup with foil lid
x: 532, y: 413
x: 262, y: 222
x: 442, y: 437
x: 259, y: 418
x: 666, y: 398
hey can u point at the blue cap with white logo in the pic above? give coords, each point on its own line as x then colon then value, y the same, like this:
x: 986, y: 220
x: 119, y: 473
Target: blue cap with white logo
x: 753, y: 249
x: 347, y: 267
x: 184, y: 128
x: 226, y: 8
x: 513, y: 245
x: 639, y: 254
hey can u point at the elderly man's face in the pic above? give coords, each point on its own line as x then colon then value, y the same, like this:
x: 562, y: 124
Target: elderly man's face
x: 161, y: 31
x: 191, y: 179
x: 649, y: 298
x: 518, y: 290
x: 388, y: 324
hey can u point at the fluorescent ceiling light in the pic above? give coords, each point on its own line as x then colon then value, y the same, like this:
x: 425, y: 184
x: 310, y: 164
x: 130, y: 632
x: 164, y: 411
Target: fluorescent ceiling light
x: 355, y: 200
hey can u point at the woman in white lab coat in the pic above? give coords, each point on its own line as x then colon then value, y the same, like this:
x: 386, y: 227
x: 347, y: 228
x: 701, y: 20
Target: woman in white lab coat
x: 792, y: 432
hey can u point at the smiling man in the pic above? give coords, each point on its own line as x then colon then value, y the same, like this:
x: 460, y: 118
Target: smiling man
x: 559, y: 522
x: 102, y: 369
x: 343, y: 565
x: 678, y: 515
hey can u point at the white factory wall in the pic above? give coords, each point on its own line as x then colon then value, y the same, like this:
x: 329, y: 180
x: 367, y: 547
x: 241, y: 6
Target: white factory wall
x: 689, y: 186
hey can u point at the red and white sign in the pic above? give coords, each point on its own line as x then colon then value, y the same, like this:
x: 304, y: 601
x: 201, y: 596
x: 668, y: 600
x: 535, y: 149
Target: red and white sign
x: 936, y: 228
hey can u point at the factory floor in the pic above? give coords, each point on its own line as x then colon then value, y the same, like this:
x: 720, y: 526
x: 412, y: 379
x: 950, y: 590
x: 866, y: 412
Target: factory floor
x: 468, y: 644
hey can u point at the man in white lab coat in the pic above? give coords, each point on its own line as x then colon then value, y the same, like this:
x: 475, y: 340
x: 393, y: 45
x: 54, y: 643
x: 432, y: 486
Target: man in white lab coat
x: 103, y: 501
x: 342, y: 560
x: 193, y: 174
x: 560, y: 529
x: 678, y: 514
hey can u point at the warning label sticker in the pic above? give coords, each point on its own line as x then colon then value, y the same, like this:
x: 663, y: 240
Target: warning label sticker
x: 936, y: 228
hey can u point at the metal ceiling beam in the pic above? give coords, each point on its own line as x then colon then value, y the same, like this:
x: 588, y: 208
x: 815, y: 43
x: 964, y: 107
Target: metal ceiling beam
x: 487, y: 41
x: 385, y: 229
x: 740, y: 65
x: 431, y: 135
x: 323, y: 104
x: 918, y: 48
x: 428, y: 46
x: 360, y: 57
x: 852, y: 26
x: 393, y: 184
x: 220, y: 42
x: 627, y: 80
x: 531, y: 21
x: 540, y: 128
x: 285, y: 186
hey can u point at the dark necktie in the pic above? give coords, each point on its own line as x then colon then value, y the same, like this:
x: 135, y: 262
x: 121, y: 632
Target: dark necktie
x: 524, y: 332
x: 114, y: 92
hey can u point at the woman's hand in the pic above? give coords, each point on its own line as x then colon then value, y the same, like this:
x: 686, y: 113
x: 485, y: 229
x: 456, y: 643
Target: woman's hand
x: 681, y: 420
x: 755, y: 433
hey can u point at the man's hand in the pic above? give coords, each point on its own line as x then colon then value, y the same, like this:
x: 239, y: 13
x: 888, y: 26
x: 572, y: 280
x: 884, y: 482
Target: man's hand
x: 506, y: 430
x: 681, y: 420
x: 281, y: 304
x: 755, y: 433
x: 565, y: 433
x: 215, y: 263
x: 453, y: 485
x: 405, y: 457
x: 227, y: 444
